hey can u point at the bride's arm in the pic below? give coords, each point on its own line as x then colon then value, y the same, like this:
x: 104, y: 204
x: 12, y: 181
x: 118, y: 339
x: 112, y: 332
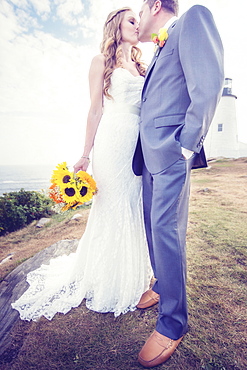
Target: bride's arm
x: 96, y: 83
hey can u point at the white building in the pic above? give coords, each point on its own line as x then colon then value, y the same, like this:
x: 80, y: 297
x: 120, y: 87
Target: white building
x: 222, y: 137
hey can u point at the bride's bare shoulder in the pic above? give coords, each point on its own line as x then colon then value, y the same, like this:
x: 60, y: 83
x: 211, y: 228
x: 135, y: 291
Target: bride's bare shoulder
x: 98, y: 62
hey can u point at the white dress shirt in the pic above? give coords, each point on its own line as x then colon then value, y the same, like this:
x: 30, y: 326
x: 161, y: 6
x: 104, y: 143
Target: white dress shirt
x: 170, y: 21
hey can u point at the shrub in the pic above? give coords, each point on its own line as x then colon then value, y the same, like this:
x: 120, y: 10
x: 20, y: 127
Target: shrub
x: 18, y: 209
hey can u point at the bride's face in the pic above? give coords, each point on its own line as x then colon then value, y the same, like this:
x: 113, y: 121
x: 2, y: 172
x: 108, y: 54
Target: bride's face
x: 129, y: 28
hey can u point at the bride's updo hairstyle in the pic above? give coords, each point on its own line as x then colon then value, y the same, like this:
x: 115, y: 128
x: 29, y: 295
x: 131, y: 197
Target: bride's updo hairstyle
x: 112, y: 50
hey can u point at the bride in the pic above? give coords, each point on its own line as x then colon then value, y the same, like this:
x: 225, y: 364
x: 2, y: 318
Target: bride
x: 110, y: 268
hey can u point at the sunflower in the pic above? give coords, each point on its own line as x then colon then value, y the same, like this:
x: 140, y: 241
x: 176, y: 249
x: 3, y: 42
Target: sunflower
x: 86, y: 186
x: 84, y: 178
x: 71, y: 206
x: 69, y: 193
x: 85, y: 193
x: 62, y: 176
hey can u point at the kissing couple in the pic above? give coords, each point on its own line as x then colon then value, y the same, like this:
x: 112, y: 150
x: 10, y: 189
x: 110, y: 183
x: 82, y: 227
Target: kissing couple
x: 145, y: 129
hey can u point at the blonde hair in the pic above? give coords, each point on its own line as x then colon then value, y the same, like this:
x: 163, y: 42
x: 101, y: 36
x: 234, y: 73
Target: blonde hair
x: 112, y: 50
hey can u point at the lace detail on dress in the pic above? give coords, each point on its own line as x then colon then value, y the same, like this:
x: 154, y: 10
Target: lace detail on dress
x: 110, y: 268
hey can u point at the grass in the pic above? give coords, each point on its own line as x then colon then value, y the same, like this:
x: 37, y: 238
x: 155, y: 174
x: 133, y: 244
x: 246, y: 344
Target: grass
x: 217, y: 275
x: 28, y: 241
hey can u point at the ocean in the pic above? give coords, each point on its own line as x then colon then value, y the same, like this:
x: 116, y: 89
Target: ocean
x: 27, y: 177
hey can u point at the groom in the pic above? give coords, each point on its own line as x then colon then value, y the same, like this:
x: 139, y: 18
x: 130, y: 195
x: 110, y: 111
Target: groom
x: 182, y: 87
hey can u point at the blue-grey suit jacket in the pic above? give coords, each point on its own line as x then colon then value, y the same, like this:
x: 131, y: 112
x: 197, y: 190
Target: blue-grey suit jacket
x: 182, y: 87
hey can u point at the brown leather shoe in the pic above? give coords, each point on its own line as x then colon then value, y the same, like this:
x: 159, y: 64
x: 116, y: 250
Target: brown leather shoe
x: 157, y: 349
x: 148, y: 299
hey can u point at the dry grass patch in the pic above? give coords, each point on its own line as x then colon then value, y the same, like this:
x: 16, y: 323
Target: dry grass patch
x: 28, y: 241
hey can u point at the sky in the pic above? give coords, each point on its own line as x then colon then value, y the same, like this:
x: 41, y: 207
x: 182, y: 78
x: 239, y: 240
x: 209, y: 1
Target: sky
x: 46, y: 49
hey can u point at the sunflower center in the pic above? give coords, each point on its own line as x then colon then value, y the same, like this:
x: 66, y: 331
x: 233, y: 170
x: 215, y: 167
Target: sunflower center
x: 83, y: 191
x: 70, y: 192
x: 66, y: 179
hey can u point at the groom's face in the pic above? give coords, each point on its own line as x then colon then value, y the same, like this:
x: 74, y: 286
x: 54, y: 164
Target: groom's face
x: 145, y: 25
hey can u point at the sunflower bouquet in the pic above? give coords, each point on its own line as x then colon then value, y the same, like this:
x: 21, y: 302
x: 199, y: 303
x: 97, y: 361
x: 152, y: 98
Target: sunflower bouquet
x: 71, y: 189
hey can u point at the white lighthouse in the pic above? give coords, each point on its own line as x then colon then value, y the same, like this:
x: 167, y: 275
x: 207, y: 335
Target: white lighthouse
x: 222, y: 137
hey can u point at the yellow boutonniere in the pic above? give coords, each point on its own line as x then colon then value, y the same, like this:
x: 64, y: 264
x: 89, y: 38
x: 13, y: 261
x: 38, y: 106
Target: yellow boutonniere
x: 160, y: 38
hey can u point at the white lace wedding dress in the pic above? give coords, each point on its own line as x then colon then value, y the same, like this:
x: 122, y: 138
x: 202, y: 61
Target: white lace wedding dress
x: 111, y: 265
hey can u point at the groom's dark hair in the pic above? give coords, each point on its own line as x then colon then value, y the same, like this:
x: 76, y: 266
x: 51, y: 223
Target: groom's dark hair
x: 170, y: 5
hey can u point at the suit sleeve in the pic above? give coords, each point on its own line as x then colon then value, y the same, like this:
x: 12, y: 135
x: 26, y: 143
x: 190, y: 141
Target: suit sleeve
x: 201, y: 57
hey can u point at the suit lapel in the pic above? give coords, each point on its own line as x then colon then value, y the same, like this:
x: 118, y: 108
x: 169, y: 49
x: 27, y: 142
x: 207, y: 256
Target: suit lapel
x: 150, y: 67
x: 155, y: 57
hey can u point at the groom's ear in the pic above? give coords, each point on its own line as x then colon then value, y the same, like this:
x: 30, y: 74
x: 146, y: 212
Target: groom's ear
x: 156, y: 7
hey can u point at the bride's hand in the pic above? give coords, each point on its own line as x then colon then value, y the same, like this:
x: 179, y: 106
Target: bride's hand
x: 82, y: 164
